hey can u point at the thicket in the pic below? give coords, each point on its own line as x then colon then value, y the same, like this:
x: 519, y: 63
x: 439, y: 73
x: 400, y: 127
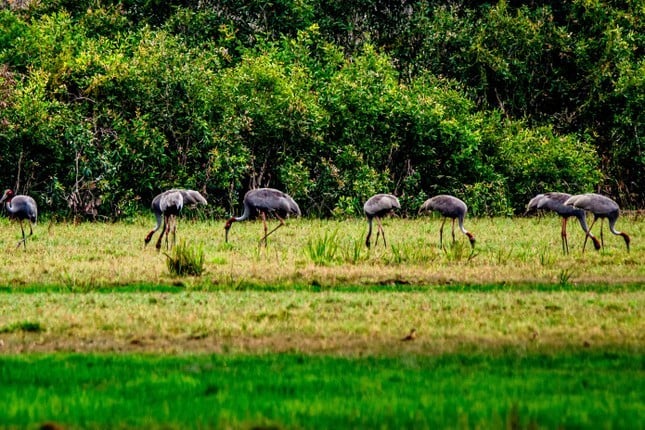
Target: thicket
x: 104, y: 104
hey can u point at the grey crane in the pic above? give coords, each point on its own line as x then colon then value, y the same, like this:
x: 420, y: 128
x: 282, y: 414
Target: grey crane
x: 169, y: 204
x: 449, y: 207
x: 555, y: 202
x: 265, y: 202
x: 601, y: 207
x: 377, y: 207
x: 21, y: 207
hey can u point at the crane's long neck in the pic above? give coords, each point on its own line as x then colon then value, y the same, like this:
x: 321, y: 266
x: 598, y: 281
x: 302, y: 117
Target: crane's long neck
x: 471, y: 237
x: 612, y: 228
x: 245, y: 214
x: 9, y: 206
x: 582, y: 219
x: 461, y: 226
x: 612, y: 225
x: 369, y: 231
x: 158, y: 217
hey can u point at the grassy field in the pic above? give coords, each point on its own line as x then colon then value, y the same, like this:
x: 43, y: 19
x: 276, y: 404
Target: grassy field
x: 346, y: 323
x: 509, y: 252
x: 307, y: 332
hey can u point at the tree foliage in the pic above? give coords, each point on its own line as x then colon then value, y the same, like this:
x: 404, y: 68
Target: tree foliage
x: 103, y: 104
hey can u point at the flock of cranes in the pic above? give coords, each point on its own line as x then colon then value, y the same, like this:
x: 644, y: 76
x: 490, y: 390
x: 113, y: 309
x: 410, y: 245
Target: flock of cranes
x: 266, y: 202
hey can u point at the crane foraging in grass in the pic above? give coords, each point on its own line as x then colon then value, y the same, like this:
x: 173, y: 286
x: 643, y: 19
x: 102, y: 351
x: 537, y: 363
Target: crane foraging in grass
x: 21, y: 207
x: 555, y: 202
x: 377, y: 207
x: 169, y: 204
x: 601, y: 207
x: 265, y: 202
x: 449, y: 207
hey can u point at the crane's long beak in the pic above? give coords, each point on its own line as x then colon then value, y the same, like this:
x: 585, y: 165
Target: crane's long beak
x: 226, y: 229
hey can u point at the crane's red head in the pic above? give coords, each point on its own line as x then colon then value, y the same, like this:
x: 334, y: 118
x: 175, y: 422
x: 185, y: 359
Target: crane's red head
x: 627, y: 239
x: 471, y: 237
x: 227, y: 227
x: 8, y: 195
x: 596, y: 242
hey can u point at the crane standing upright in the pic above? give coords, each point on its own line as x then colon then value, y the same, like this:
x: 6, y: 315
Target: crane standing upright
x: 21, y: 207
x: 265, y: 202
x: 169, y: 204
x: 377, y: 207
x: 555, y: 202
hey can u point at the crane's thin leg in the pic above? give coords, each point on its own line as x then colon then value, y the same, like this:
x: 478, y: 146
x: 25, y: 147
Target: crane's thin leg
x: 378, y: 230
x: 277, y: 227
x: 441, y: 233
x: 453, y: 230
x: 602, y: 239
x: 380, y: 227
x: 563, y: 233
x: 163, y: 231
x: 24, y: 240
x: 166, y: 229
x: 174, y: 230
x: 264, y: 222
x: 587, y: 235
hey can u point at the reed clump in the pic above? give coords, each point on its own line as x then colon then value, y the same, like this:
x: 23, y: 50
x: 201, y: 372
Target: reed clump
x: 185, y: 260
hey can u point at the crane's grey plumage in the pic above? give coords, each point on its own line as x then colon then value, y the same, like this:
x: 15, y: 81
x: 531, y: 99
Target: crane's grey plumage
x: 169, y: 204
x: 449, y: 207
x: 377, y: 207
x: 601, y: 207
x: 555, y: 202
x: 21, y: 207
x: 265, y: 202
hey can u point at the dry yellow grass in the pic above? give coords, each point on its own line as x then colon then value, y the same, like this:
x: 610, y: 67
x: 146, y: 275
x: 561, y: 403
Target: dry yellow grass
x: 209, y: 315
x: 327, y: 322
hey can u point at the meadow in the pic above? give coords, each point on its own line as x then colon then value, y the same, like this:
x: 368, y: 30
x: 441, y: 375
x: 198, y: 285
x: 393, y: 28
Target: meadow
x: 323, y: 253
x: 307, y: 332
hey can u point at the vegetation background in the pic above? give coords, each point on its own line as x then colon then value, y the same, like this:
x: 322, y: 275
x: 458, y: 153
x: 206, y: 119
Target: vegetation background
x: 105, y: 103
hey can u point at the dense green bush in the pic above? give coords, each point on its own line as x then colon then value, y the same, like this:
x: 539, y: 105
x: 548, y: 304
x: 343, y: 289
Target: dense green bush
x: 105, y: 104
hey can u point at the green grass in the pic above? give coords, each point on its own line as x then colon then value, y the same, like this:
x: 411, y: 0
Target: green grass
x: 185, y: 260
x: 320, y: 253
x: 584, y: 390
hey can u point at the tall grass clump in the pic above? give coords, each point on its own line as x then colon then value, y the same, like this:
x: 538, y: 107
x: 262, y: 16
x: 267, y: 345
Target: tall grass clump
x: 322, y: 249
x: 353, y: 253
x: 185, y: 260
x: 25, y: 326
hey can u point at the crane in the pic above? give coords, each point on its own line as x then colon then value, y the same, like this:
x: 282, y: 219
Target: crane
x: 601, y: 207
x: 377, y: 207
x: 169, y: 204
x: 449, y: 207
x: 21, y: 207
x: 265, y: 202
x: 555, y: 202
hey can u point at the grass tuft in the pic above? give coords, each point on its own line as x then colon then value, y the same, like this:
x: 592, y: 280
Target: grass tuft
x: 25, y: 326
x: 185, y: 260
x: 565, y: 278
x: 322, y: 249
